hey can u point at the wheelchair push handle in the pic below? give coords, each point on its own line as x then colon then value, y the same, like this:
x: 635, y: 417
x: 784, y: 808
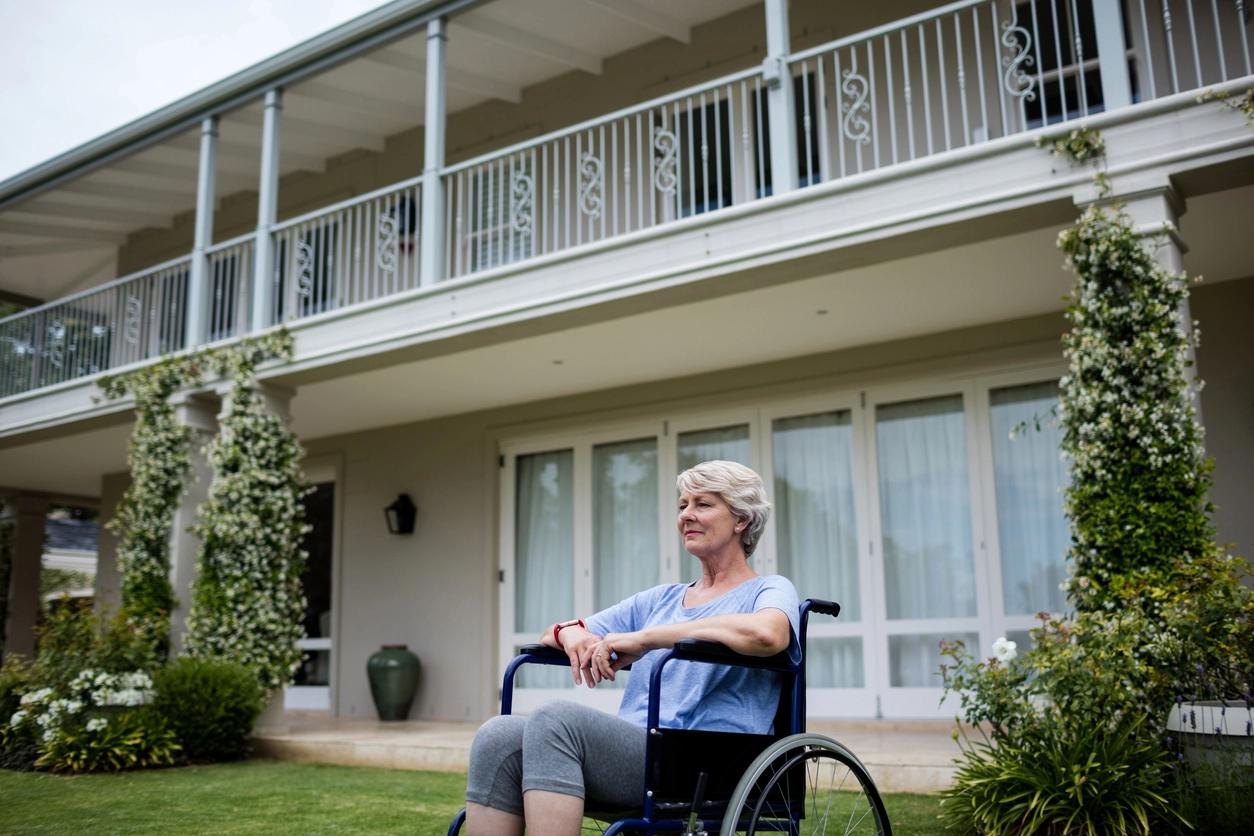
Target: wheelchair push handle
x: 823, y: 607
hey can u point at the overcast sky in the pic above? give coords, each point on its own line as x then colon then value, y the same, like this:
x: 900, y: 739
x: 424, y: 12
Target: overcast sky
x: 71, y: 70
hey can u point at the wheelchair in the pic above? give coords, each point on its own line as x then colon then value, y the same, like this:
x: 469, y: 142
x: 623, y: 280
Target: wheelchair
x: 701, y: 782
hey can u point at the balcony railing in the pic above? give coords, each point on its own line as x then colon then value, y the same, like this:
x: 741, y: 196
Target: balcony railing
x: 355, y: 251
x: 959, y: 75
x: 136, y: 318
x: 670, y: 158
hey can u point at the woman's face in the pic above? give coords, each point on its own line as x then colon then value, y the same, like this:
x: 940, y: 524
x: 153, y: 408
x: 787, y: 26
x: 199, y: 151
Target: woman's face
x: 706, y: 524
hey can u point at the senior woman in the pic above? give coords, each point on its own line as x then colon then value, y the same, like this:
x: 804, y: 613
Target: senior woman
x: 538, y: 770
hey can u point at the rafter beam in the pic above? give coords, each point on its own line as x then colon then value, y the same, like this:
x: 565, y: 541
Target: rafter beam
x: 131, y: 194
x: 244, y: 158
x: 61, y: 233
x: 359, y: 102
x: 631, y: 11
x: 460, y: 79
x: 30, y: 250
x: 532, y: 44
x: 106, y: 214
x: 331, y: 134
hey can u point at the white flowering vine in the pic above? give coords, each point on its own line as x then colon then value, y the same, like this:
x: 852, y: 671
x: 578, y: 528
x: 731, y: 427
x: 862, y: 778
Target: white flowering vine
x: 247, y: 604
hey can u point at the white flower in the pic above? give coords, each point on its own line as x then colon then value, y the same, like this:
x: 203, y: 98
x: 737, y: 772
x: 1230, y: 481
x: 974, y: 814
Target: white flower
x: 97, y: 723
x: 1004, y: 650
x: 18, y: 717
x: 36, y: 696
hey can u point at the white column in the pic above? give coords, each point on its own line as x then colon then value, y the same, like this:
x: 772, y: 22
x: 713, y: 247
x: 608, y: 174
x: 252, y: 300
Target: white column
x: 778, y: 78
x: 1156, y: 211
x: 27, y: 553
x: 1112, y: 56
x: 267, y: 208
x: 432, y: 242
x: 200, y: 414
x: 198, y: 292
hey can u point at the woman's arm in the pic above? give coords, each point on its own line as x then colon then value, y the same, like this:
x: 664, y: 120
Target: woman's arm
x: 762, y: 633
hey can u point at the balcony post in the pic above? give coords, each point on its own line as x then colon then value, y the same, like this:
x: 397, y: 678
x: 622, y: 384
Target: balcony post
x: 432, y: 242
x: 198, y: 289
x: 23, y: 588
x: 778, y: 78
x: 1112, y: 56
x: 267, y: 209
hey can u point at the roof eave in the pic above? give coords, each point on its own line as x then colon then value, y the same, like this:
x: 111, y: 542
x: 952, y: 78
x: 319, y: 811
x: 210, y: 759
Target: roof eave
x: 310, y: 55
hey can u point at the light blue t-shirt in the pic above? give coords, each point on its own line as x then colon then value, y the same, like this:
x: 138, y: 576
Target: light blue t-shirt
x: 698, y: 695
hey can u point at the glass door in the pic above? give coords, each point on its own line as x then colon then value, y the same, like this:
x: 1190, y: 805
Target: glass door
x: 311, y: 686
x: 814, y: 474
x: 923, y: 520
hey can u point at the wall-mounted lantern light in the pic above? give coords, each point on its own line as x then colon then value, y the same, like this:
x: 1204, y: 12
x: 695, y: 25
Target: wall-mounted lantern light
x: 401, y: 514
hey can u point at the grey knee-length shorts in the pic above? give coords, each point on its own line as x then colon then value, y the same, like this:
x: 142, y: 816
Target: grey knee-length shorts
x: 563, y: 747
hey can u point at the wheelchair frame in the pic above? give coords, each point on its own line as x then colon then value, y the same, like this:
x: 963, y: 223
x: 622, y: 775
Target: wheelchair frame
x: 660, y: 795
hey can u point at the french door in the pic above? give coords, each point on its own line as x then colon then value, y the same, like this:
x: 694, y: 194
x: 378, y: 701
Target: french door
x: 931, y: 512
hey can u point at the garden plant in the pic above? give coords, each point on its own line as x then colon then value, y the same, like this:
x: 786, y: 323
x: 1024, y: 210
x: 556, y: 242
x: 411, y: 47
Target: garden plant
x: 1075, y: 727
x: 101, y: 693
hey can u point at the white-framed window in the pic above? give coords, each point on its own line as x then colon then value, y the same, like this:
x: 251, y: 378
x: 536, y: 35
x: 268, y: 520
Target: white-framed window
x: 909, y: 504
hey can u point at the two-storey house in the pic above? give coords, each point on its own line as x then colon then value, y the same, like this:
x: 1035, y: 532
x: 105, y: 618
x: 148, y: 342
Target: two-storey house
x: 541, y: 255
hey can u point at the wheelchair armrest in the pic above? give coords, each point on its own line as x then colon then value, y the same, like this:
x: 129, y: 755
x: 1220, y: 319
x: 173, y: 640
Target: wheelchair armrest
x: 704, y: 650
x: 545, y: 653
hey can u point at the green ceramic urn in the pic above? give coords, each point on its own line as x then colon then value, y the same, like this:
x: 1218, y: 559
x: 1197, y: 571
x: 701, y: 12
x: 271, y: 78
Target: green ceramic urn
x: 393, y: 674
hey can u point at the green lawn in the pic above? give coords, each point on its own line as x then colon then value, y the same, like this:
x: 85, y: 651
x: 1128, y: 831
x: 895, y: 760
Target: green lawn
x: 274, y: 797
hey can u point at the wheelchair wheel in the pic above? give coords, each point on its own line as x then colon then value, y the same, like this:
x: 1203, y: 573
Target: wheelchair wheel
x: 809, y: 785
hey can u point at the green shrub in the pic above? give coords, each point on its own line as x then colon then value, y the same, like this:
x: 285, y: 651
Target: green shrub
x: 15, y: 679
x: 133, y: 739
x: 211, y: 706
x: 1054, y: 781
x: 75, y: 637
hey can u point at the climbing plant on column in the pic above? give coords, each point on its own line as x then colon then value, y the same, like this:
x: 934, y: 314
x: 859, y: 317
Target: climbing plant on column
x: 160, y: 465
x: 247, y: 604
x: 1139, y: 476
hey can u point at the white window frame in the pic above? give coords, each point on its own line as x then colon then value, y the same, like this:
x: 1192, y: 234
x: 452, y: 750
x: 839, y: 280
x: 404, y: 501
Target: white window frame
x: 1001, y: 623
x: 877, y: 698
x: 833, y: 702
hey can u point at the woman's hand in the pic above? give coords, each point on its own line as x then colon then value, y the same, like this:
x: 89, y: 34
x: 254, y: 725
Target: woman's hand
x: 615, y: 652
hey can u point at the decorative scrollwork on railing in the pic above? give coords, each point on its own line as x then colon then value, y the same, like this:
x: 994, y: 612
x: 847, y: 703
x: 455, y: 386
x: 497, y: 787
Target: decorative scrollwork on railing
x: 385, y: 244
x: 56, y: 345
x: 855, y: 86
x: 522, y: 190
x: 304, y: 267
x: 590, y: 182
x: 130, y: 328
x: 1015, y: 80
x: 665, y: 173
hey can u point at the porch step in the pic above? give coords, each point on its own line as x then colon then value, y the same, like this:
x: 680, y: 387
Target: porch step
x: 902, y: 756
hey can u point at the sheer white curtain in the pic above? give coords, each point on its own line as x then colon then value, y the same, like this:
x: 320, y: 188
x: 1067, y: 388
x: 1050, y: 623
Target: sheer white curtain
x: 729, y: 444
x: 925, y: 514
x: 816, y: 531
x: 544, y: 553
x: 624, y: 523
x: 1029, y: 475
x: 914, y: 661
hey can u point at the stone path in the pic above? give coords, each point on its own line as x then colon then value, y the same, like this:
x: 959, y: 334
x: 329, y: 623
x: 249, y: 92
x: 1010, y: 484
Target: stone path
x: 902, y: 756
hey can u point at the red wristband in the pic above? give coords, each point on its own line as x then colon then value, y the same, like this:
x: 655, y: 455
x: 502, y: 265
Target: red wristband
x: 557, y: 628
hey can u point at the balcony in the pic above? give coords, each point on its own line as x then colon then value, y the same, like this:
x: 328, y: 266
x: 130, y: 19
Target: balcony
x: 923, y: 89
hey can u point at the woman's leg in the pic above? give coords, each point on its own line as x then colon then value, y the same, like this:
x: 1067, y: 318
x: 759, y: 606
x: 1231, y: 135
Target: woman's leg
x: 494, y: 801
x: 572, y: 752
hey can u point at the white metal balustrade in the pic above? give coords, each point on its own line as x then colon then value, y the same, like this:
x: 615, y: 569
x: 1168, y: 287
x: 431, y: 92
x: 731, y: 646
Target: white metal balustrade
x: 956, y: 76
x: 355, y: 251
x: 648, y: 165
x: 136, y: 318
x: 980, y: 69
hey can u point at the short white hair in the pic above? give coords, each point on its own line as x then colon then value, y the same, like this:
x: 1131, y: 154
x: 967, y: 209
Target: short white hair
x: 738, y: 486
